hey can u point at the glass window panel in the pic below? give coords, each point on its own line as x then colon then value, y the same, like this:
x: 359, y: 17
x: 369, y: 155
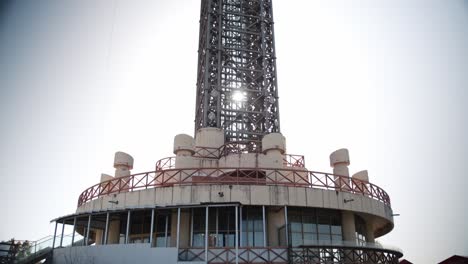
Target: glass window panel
x: 147, y: 223
x: 212, y: 219
x: 230, y: 240
x: 337, y: 238
x: 310, y: 238
x: 308, y: 227
x: 324, y: 220
x: 296, y: 227
x: 244, y: 239
x: 324, y: 229
x: 198, y: 240
x: 296, y: 239
x: 336, y: 229
x: 258, y: 239
x: 258, y: 225
x: 294, y: 218
x: 324, y: 237
x: 250, y: 237
x: 244, y: 224
x: 308, y: 219
x: 220, y: 240
x: 160, y: 240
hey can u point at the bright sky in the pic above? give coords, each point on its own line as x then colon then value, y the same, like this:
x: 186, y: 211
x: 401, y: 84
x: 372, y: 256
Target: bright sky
x: 80, y: 80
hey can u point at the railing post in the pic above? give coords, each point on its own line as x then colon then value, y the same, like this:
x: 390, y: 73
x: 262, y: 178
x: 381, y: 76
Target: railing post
x: 240, y: 226
x: 191, y: 228
x: 178, y: 229
x: 128, y: 227
x: 87, y: 230
x: 106, y: 228
x: 264, y: 227
x: 206, y: 234
x: 217, y: 226
x: 166, y: 230
x: 286, y: 225
x: 237, y: 235
x: 151, y: 228
x: 74, y: 230
x: 55, y: 234
x: 63, y: 230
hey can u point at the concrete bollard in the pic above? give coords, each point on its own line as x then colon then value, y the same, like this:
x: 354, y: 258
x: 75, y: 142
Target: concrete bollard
x: 339, y: 161
x: 274, y: 147
x: 123, y: 163
x: 184, y: 149
x: 363, y: 179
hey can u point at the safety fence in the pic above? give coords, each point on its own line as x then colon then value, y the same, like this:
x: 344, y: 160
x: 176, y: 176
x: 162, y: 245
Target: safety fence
x: 234, y: 176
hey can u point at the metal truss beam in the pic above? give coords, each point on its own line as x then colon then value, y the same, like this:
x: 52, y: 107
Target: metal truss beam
x: 236, y: 80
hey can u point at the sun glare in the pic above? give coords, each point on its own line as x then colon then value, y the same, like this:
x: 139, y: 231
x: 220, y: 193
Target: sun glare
x: 238, y: 96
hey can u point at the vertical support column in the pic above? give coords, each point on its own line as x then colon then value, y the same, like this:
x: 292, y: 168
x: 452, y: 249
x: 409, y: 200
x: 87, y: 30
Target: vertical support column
x: 63, y: 229
x: 178, y: 229
x: 74, y: 230
x: 370, y: 238
x: 237, y: 235
x: 206, y: 235
x: 217, y: 226
x: 165, y: 230
x: 191, y: 228
x: 127, y: 232
x: 349, y: 227
x: 151, y: 228
x: 87, y: 230
x: 240, y: 227
x: 106, y: 230
x: 286, y: 228
x: 264, y: 227
x: 55, y: 234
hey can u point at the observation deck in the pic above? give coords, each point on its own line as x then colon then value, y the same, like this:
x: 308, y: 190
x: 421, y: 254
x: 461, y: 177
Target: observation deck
x: 217, y: 202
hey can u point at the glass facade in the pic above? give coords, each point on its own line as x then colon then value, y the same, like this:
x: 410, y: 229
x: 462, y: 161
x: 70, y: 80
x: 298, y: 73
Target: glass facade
x: 306, y: 226
x: 252, y: 227
x: 198, y: 227
x: 360, y: 230
x: 162, y: 229
x: 309, y: 226
x: 222, y: 227
x: 140, y: 225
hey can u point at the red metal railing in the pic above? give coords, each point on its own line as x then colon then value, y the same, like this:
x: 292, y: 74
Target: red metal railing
x: 273, y: 255
x: 289, y: 160
x: 243, y: 147
x: 295, y: 161
x: 234, y: 176
x: 166, y: 163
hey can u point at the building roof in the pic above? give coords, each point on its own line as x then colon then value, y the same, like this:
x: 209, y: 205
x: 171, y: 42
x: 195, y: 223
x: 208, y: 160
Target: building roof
x: 405, y: 262
x: 455, y: 259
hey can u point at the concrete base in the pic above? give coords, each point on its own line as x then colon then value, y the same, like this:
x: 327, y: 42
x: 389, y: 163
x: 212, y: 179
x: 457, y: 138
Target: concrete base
x: 115, y: 254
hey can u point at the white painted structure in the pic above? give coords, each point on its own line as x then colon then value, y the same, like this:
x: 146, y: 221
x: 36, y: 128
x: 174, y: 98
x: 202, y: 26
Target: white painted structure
x: 167, y: 214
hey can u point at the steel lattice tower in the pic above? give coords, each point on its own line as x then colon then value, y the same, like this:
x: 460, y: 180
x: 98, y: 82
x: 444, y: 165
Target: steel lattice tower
x: 236, y: 79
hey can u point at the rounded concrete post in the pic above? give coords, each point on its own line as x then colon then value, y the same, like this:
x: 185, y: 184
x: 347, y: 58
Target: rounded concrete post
x: 339, y: 161
x: 274, y: 147
x: 183, y: 145
x: 123, y: 163
x: 363, y: 179
x: 106, y: 177
x: 184, y: 149
x: 370, y: 237
x: 211, y: 137
x: 348, y: 225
